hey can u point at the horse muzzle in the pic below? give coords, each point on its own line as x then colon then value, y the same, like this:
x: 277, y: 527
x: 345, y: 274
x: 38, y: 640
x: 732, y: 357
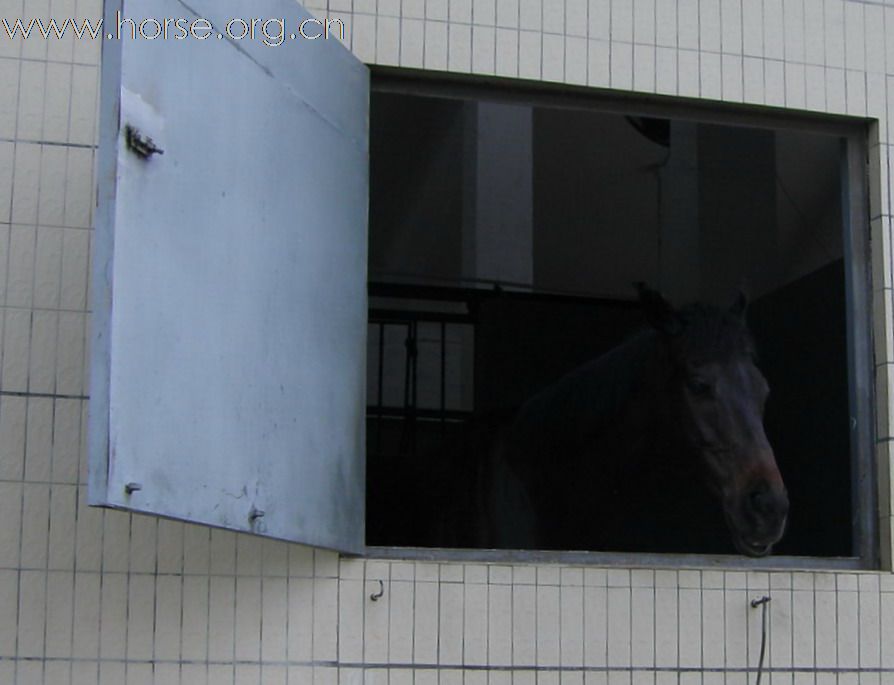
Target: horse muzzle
x: 757, y: 519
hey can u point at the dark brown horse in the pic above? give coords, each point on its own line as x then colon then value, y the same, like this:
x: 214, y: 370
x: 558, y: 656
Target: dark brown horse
x: 654, y: 446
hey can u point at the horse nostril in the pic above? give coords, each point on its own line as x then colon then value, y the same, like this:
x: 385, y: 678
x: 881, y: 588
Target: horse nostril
x: 760, y: 500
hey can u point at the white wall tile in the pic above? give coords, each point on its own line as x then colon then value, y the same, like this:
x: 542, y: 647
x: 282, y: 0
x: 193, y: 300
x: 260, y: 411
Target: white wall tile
x: 774, y: 83
x: 506, y: 52
x: 687, y: 24
x: 869, y: 612
x: 300, y: 618
x: 85, y: 630
x: 816, y: 87
x: 530, y: 15
x: 710, y: 76
x: 9, y: 593
x: 140, y: 608
x: 780, y: 629
x: 712, y: 629
x: 752, y: 29
x: 553, y: 58
x: 753, y: 79
x: 621, y: 65
x: 411, y: 42
x: 731, y: 27
x: 524, y: 625
x: 32, y: 88
x: 247, y: 627
x: 450, y: 628
x: 363, y: 37
x: 795, y: 86
x: 814, y: 36
x: 793, y: 30
x: 666, y: 71
x: 774, y: 25
x: 598, y: 63
x: 459, y: 55
x: 79, y: 196
x: 483, y: 49
x: 388, y: 41
x: 39, y: 434
x: 619, y: 621
x: 221, y: 614
x: 644, y: 68
x: 529, y: 51
x: 599, y: 19
x: 475, y: 630
x: 7, y: 155
x: 484, y: 12
x: 576, y: 60
x: 836, y: 94
x: 9, y: 94
x: 58, y: 94
x: 710, y: 29
x: 508, y: 13
x: 571, y: 645
x: 113, y: 612
x: 833, y: 16
x: 499, y: 625
x: 425, y: 623
x: 167, y: 619
x: 552, y: 16
x: 435, y: 56
x: 621, y: 21
x: 325, y: 619
x: 548, y: 625
x: 826, y: 629
x: 16, y: 340
x: 666, y: 23
x: 26, y: 170
x: 643, y: 630
x: 351, y: 595
x: 802, y: 627
x: 688, y: 72
x: 854, y: 36
x: 35, y: 522
x: 848, y: 626
x: 576, y: 18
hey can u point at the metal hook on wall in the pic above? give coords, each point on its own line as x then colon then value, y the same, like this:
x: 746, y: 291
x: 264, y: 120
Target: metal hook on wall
x: 376, y: 596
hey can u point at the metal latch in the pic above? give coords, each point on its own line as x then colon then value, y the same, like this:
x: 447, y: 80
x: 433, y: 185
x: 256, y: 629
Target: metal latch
x: 141, y: 145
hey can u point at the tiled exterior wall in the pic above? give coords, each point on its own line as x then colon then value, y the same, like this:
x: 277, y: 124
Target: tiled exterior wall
x: 90, y: 596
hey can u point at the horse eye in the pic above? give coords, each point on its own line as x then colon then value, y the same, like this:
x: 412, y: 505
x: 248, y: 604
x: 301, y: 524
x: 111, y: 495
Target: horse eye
x: 700, y: 387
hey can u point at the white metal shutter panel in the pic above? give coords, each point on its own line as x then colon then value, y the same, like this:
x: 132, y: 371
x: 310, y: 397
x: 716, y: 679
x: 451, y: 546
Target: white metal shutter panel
x: 230, y: 279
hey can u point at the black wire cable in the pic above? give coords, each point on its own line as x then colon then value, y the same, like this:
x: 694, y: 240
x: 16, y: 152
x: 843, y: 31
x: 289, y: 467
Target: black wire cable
x: 763, y: 603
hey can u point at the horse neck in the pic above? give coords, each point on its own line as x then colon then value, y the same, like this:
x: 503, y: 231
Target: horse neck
x: 652, y: 420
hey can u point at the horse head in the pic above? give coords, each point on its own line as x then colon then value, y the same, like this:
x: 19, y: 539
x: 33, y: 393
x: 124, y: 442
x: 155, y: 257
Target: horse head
x: 716, y: 398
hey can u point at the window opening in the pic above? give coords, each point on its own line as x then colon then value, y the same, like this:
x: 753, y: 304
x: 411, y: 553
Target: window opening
x: 505, y: 239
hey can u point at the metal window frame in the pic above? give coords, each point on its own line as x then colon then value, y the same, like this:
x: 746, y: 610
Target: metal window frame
x: 856, y: 175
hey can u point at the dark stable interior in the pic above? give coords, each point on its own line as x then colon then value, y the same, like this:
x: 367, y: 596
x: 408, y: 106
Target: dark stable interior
x: 504, y: 242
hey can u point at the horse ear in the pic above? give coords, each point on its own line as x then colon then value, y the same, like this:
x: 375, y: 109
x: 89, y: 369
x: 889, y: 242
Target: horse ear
x: 659, y: 312
x: 739, y: 305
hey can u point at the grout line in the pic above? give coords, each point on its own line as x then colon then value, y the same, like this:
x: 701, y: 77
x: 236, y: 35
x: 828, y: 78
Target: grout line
x: 49, y: 143
x: 404, y: 666
x: 47, y: 396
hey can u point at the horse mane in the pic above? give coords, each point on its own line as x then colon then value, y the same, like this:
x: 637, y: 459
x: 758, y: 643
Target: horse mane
x: 710, y: 333
x: 583, y: 403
